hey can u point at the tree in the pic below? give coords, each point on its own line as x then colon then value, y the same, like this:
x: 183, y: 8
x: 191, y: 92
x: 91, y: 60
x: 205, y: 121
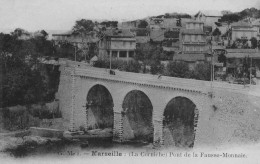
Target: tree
x: 157, y: 68
x: 147, y: 53
x: 44, y: 34
x: 253, y: 42
x: 202, y: 71
x: 83, y: 26
x: 230, y: 18
x: 178, y: 69
x: 142, y: 24
x: 216, y: 32
x: 22, y: 82
x: 18, y: 32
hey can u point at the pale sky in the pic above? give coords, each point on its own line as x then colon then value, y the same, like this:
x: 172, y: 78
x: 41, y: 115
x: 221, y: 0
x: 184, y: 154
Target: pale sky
x: 35, y: 15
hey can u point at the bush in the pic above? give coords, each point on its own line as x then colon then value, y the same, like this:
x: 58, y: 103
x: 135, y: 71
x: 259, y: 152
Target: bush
x: 157, y: 68
x: 178, y: 69
x: 253, y: 42
x: 202, y: 71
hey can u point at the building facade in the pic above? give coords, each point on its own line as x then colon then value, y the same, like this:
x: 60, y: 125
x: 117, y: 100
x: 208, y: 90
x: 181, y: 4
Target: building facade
x: 243, y: 30
x: 117, y: 43
x: 193, y: 39
x: 193, y: 44
x: 208, y: 17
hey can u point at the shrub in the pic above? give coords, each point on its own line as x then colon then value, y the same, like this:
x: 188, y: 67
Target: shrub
x: 178, y: 69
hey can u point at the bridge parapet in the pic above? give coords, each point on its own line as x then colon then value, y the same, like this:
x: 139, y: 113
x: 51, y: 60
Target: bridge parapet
x: 201, y: 86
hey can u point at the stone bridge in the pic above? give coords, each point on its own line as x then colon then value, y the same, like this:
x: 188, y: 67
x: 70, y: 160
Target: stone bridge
x: 223, y: 112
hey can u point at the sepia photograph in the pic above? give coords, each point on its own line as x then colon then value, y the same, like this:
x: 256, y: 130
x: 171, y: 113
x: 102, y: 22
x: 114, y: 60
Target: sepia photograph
x: 130, y: 81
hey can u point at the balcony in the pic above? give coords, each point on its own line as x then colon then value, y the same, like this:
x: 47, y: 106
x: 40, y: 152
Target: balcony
x: 194, y: 42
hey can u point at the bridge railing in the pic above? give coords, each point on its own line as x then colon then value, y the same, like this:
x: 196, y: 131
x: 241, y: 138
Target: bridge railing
x: 204, y: 86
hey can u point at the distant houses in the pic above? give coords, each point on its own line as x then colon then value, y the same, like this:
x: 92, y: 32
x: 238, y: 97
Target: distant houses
x: 202, y: 38
x: 75, y: 39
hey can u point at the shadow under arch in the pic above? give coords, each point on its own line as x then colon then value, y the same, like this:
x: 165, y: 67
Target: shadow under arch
x: 100, y: 105
x: 137, y: 117
x: 179, y: 122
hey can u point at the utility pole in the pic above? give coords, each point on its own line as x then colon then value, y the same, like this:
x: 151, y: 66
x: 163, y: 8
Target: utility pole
x: 110, y: 56
x: 250, y: 76
x: 75, y: 52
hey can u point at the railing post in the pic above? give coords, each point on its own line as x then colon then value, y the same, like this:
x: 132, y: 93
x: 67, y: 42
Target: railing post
x: 118, y: 127
x: 72, y: 122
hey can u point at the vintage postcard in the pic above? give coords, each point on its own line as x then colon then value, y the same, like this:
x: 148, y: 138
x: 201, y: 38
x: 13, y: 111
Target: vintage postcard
x: 130, y: 81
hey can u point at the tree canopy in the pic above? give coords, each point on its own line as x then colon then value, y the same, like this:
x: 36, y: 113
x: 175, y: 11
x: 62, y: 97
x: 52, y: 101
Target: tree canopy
x: 22, y: 82
x: 83, y: 26
x: 142, y: 24
x: 216, y: 32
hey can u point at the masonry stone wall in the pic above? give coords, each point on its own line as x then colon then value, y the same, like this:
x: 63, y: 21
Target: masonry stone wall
x: 226, y: 117
x: 64, y: 92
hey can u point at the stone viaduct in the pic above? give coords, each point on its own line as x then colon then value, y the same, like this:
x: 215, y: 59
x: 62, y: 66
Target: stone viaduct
x: 225, y: 113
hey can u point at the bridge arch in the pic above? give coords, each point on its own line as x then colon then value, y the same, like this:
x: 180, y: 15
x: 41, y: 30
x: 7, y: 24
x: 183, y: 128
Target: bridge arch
x: 180, y: 118
x: 137, y: 121
x: 99, y: 104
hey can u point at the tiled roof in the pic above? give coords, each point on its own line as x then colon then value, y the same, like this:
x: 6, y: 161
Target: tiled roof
x: 192, y: 31
x: 119, y: 33
x: 194, y: 21
x: 170, y: 49
x: 243, y: 55
x: 256, y: 22
x: 242, y: 51
x: 157, y: 35
x: 189, y: 57
x: 217, y: 47
x: 241, y: 24
x: 142, y: 39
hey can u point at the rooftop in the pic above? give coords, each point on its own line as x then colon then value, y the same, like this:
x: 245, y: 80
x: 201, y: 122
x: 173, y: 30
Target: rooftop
x: 189, y: 57
x: 157, y: 35
x: 192, y: 31
x: 119, y: 33
x: 243, y: 55
x: 242, y: 51
x: 241, y: 24
x: 194, y: 21
x: 256, y: 22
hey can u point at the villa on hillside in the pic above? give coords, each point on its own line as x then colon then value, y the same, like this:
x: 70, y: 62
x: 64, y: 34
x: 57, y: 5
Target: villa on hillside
x: 256, y: 23
x: 193, y: 44
x: 74, y: 38
x: 243, y: 30
x: 208, y: 17
x: 117, y: 43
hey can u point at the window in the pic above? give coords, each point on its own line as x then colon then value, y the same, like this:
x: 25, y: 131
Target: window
x: 114, y: 54
x: 186, y: 38
x: 122, y: 54
x: 199, y: 38
x: 196, y: 37
x: 131, y: 54
x: 193, y: 38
